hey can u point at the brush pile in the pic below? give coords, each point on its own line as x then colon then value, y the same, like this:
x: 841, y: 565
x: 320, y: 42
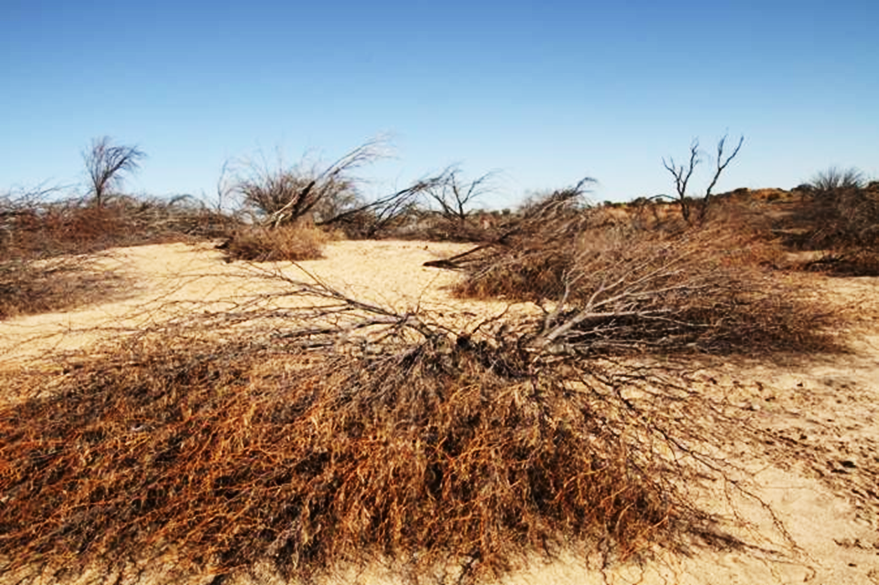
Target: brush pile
x: 446, y: 452
x: 608, y: 286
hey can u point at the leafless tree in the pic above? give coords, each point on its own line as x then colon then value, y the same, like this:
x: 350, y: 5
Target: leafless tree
x: 455, y: 196
x: 106, y: 163
x: 683, y: 173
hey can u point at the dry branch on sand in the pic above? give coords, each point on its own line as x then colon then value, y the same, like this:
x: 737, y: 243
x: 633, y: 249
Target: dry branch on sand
x: 608, y: 287
x: 375, y: 436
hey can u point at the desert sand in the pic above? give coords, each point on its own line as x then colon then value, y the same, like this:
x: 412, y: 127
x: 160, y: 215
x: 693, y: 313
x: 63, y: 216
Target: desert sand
x: 819, y: 475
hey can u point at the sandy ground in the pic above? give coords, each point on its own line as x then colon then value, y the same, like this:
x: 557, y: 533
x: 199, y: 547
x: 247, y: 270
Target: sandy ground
x: 819, y: 473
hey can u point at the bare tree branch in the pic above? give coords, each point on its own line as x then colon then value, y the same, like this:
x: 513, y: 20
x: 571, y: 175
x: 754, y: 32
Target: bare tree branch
x: 377, y: 215
x: 303, y: 200
x: 106, y: 163
x: 722, y: 163
x: 682, y: 175
x: 455, y: 197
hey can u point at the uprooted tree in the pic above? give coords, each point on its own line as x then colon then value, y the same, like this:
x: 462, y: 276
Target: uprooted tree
x: 683, y: 173
x: 106, y: 163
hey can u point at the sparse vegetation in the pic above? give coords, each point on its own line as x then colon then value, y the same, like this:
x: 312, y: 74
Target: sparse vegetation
x: 338, y: 431
x: 838, y: 216
x: 455, y: 197
x: 834, y: 179
x: 45, y: 243
x: 52, y: 285
x: 286, y: 195
x: 439, y: 451
x: 612, y: 287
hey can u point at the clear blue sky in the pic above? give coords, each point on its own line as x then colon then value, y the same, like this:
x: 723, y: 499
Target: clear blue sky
x: 542, y: 92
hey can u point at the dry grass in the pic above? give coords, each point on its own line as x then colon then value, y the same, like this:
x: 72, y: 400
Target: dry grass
x: 285, y: 242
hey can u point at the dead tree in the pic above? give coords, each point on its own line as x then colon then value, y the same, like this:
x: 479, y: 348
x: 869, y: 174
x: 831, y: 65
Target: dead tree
x: 682, y: 175
x: 106, y: 162
x: 455, y: 197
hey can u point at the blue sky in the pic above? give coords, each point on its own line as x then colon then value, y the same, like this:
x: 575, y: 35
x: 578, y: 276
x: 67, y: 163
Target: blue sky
x: 542, y: 93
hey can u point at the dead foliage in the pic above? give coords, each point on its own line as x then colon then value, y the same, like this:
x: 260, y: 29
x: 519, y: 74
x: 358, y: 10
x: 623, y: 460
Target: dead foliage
x: 393, y: 215
x: 607, y: 285
x: 285, y: 242
x: 106, y: 163
x: 41, y: 229
x: 840, y: 216
x: 31, y: 287
x: 284, y: 194
x: 340, y: 432
x: 44, y: 244
x: 306, y: 446
x: 436, y: 207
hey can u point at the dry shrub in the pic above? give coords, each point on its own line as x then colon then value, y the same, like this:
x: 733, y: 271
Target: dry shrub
x: 286, y: 242
x: 433, y: 227
x: 32, y: 287
x: 838, y: 215
x: 316, y: 444
x: 282, y: 194
x: 41, y: 230
x: 305, y: 448
x: 845, y: 262
x: 43, y: 246
x: 611, y: 287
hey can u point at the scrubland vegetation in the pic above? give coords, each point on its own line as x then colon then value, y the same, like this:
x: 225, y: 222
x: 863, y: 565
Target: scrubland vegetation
x: 302, y: 445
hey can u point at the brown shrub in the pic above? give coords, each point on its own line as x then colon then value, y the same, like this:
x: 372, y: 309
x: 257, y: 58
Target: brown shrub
x: 443, y: 452
x: 838, y: 216
x: 311, y: 445
x: 42, y: 230
x: 286, y: 242
x: 611, y: 287
x: 32, y: 287
x: 43, y: 246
